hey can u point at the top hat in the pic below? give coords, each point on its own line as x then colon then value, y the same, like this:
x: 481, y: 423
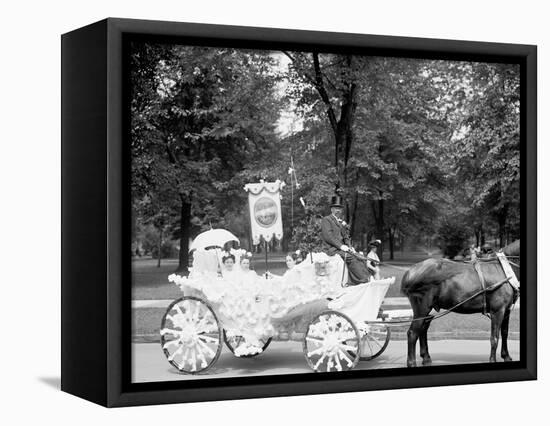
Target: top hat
x: 336, y: 201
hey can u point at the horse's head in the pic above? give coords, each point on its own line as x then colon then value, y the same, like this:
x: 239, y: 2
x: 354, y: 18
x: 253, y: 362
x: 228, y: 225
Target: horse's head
x: 512, y: 249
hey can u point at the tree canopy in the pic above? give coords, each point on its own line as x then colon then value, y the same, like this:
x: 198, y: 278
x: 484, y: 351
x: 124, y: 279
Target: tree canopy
x: 414, y: 146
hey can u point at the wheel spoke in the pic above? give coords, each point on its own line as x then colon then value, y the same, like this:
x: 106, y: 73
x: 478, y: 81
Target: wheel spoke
x: 170, y: 343
x: 179, y: 311
x: 176, y: 352
x: 374, y: 340
x: 343, y: 355
x: 184, y: 357
x: 347, y: 347
x: 208, y: 339
x: 165, y: 331
x: 201, y: 353
x: 318, y: 351
x: 366, y: 339
x: 193, y: 360
x: 319, y: 361
x: 338, y: 364
x: 207, y: 348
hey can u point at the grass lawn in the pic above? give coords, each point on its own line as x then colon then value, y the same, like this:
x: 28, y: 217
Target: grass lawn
x: 150, y: 282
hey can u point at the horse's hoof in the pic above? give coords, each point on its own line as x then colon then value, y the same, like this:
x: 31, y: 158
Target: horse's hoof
x: 492, y: 360
x: 411, y: 364
x: 507, y: 358
x: 427, y: 362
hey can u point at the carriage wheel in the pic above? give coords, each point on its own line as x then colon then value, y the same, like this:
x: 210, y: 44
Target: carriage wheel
x: 190, y: 335
x: 331, y: 343
x: 233, y: 342
x: 374, y: 340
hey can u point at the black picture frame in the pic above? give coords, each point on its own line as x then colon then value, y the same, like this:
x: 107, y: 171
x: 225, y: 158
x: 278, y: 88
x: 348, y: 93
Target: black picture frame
x: 95, y: 214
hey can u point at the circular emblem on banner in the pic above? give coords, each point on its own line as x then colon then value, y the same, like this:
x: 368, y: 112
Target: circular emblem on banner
x: 265, y: 212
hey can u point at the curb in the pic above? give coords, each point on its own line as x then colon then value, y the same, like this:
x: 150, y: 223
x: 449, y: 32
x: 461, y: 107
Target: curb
x: 393, y: 302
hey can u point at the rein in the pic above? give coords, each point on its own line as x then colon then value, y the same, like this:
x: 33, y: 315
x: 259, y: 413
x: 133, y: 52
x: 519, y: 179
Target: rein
x: 448, y: 311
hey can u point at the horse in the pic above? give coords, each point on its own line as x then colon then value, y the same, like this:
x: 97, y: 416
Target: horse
x: 442, y: 284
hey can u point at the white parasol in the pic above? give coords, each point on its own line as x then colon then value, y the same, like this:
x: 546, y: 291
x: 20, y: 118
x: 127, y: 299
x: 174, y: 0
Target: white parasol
x: 212, y: 238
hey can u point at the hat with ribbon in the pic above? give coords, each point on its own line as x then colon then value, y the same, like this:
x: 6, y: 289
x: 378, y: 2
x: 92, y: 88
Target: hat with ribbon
x: 374, y: 243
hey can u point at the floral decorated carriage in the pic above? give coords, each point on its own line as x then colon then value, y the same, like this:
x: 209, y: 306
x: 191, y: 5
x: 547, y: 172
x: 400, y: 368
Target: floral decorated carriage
x: 336, y: 324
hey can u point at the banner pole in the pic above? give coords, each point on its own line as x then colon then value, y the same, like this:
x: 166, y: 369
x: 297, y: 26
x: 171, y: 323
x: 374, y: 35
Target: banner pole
x: 265, y: 249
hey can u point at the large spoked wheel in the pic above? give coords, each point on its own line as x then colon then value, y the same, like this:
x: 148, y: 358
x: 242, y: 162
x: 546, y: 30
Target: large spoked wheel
x: 332, y: 343
x: 190, y: 335
x: 374, y: 340
x: 234, y: 342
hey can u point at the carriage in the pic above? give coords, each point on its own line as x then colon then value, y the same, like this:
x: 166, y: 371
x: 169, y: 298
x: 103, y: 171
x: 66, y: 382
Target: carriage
x: 338, y: 325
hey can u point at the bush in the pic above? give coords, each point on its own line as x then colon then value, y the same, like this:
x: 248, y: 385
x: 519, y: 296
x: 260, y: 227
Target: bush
x: 453, y: 237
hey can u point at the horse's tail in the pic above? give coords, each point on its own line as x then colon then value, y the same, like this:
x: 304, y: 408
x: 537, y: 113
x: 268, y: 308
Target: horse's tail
x: 405, y: 284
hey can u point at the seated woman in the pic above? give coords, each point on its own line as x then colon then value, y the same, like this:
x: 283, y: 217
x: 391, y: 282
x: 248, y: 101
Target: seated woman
x: 373, y: 261
x: 292, y: 273
x: 248, y: 276
x: 229, y: 272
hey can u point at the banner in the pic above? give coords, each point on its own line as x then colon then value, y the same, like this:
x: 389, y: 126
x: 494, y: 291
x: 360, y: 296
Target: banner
x: 264, y: 200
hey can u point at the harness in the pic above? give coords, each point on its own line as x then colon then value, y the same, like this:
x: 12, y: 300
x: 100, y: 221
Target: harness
x: 508, y: 273
x: 477, y: 267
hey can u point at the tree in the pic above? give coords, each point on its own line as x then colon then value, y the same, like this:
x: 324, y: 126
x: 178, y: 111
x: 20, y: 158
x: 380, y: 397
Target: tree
x: 198, y: 115
x: 487, y: 153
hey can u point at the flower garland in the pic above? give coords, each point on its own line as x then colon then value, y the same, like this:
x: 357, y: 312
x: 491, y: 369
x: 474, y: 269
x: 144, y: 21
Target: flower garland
x: 247, y: 310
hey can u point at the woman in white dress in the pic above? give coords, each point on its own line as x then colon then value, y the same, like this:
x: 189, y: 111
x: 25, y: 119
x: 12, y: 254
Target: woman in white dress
x: 373, y: 259
x: 292, y: 274
x: 229, y: 271
x: 249, y: 277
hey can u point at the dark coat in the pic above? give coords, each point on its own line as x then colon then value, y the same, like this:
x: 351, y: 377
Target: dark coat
x: 334, y: 235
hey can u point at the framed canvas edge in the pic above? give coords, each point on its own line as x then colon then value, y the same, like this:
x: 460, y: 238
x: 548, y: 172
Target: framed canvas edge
x: 118, y: 394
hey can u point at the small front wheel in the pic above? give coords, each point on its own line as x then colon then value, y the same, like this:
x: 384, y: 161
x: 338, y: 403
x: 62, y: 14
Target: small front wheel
x: 374, y: 340
x: 331, y: 343
x: 190, y: 335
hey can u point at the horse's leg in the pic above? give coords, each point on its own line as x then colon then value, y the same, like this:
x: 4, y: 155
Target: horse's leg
x: 420, y: 310
x: 423, y: 340
x: 412, y: 336
x: 496, y: 322
x: 504, y: 332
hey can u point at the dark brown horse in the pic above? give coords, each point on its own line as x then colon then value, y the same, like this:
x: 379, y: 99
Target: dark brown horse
x: 442, y: 283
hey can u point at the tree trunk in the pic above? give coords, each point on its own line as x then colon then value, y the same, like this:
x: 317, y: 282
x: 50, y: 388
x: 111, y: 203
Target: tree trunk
x: 159, y: 254
x: 378, y: 210
x: 353, y: 214
x: 185, y: 218
x: 342, y: 126
x: 391, y: 237
x: 502, y: 228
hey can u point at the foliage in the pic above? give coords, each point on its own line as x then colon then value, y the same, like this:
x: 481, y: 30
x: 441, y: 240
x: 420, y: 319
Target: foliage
x: 408, y: 143
x: 453, y: 237
x: 199, y: 115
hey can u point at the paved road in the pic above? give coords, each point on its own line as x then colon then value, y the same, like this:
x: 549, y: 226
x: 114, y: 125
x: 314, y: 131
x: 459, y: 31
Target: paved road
x: 287, y: 358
